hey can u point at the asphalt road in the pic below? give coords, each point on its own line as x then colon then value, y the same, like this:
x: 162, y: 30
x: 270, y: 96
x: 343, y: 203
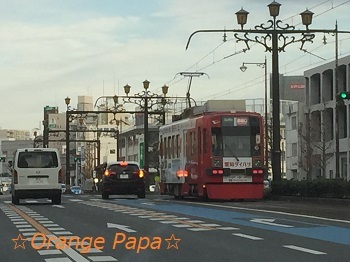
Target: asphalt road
x: 87, y: 228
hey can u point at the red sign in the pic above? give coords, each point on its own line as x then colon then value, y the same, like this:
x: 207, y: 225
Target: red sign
x: 297, y: 86
x: 242, y: 121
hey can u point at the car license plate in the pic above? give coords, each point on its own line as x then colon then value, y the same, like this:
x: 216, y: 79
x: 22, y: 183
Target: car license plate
x: 39, y: 180
x: 124, y: 176
x: 237, y: 178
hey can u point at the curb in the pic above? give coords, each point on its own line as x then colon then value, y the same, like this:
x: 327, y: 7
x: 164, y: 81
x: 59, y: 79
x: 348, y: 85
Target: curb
x: 319, y: 200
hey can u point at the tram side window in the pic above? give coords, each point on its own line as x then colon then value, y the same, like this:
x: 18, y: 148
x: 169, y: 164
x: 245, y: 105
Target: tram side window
x: 161, y: 147
x: 193, y: 143
x: 216, y: 141
x: 173, y: 146
x: 169, y: 147
x: 205, y: 140
x: 178, y: 146
x: 199, y: 140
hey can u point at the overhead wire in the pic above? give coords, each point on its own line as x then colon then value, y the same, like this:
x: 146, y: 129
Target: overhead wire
x: 218, y: 46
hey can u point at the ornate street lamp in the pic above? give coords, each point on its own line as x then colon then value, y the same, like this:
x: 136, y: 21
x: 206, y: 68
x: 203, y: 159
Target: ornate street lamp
x: 146, y: 100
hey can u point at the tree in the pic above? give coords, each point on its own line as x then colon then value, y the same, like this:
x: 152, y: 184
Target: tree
x: 313, y: 148
x: 306, y: 150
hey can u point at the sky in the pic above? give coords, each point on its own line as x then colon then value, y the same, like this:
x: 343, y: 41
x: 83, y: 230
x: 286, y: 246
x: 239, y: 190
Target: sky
x: 51, y: 49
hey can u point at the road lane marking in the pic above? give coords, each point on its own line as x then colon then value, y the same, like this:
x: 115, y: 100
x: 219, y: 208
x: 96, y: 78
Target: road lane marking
x: 63, y: 233
x: 228, y: 228
x: 168, y: 222
x: 181, y: 225
x: 102, y: 258
x: 56, y: 228
x: 58, y: 206
x: 49, y: 252
x: 210, y: 225
x: 26, y: 229
x: 199, y: 229
x: 22, y: 226
x: 268, y: 221
x: 195, y: 221
x: 91, y: 250
x: 247, y: 236
x: 121, y: 227
x: 20, y: 222
x: 29, y: 234
x: 61, y: 259
x: 311, y: 251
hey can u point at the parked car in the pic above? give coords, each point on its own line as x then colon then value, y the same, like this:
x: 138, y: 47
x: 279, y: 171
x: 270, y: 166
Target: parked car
x: 76, y: 190
x: 123, y: 178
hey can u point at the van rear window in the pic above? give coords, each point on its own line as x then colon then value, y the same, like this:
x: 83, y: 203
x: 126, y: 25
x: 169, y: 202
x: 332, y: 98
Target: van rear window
x: 37, y: 160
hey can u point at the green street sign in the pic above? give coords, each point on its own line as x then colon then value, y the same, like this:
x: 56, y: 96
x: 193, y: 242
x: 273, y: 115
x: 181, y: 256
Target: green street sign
x: 142, y: 154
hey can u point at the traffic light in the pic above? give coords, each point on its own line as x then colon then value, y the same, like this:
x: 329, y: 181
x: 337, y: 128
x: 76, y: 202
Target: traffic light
x: 76, y: 158
x: 343, y: 95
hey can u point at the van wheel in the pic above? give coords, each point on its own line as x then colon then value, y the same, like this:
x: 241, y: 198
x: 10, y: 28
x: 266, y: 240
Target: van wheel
x: 15, y: 200
x: 56, y: 199
x: 105, y: 195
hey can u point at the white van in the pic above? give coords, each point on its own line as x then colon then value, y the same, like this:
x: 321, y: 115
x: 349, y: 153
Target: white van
x: 37, y: 173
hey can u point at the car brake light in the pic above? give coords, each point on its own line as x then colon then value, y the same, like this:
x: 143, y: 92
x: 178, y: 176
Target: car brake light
x: 215, y: 171
x: 181, y: 173
x: 141, y: 174
x: 220, y: 172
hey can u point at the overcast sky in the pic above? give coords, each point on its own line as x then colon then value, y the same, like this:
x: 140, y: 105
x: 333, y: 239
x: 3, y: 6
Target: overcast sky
x: 51, y: 49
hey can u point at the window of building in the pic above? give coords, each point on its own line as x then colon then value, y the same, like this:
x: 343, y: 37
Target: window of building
x: 294, y: 149
x: 112, y: 151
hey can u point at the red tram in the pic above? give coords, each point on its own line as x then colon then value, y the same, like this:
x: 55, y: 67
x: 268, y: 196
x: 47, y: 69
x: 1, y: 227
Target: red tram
x: 216, y: 152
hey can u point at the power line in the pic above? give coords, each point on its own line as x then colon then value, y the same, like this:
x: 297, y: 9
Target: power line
x: 220, y: 60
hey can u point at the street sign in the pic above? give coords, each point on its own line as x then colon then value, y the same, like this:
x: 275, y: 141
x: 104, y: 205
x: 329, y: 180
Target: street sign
x: 142, y: 154
x: 49, y: 108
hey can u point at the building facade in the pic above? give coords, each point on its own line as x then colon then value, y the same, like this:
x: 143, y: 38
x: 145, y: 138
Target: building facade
x: 312, y: 126
x: 322, y: 85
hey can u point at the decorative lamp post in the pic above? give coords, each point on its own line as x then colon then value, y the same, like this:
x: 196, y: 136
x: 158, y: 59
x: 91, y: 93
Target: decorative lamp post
x: 146, y: 100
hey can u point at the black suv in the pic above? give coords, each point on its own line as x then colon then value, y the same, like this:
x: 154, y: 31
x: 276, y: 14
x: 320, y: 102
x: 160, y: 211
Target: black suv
x: 123, y: 178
